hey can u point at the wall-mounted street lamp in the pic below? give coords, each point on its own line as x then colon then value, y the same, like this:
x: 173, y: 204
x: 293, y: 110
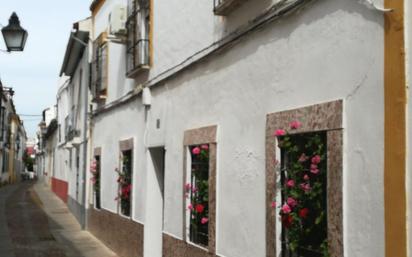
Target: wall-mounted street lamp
x: 14, y: 35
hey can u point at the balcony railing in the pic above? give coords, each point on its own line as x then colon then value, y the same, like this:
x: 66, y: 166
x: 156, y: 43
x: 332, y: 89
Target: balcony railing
x: 224, y: 7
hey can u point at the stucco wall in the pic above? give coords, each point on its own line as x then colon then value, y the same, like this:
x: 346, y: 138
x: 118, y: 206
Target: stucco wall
x: 331, y: 50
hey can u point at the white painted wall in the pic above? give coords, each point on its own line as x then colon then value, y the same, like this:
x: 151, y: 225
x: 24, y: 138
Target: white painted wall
x: 62, y: 155
x: 331, y: 50
x: 79, y: 80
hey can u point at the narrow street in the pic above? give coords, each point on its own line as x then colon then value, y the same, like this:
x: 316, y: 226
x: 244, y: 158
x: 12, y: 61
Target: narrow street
x: 35, y: 223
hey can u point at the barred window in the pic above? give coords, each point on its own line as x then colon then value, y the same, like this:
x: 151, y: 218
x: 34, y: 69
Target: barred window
x: 125, y: 183
x: 303, y: 208
x: 96, y: 181
x: 99, y: 68
x: 197, y: 191
x: 138, y: 41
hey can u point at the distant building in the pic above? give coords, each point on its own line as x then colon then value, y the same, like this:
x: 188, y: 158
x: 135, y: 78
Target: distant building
x: 12, y: 138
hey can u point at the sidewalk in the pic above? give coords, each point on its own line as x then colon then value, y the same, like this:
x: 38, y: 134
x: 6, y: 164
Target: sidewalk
x: 66, y: 230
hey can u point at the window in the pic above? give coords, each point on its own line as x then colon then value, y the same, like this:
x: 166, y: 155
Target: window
x: 125, y: 182
x: 197, y: 192
x: 304, y: 166
x: 5, y: 161
x: 303, y: 209
x: 199, y: 188
x: 67, y: 127
x: 100, y: 68
x: 3, y: 115
x: 138, y: 39
x: 60, y: 134
x: 95, y: 170
x: 70, y: 158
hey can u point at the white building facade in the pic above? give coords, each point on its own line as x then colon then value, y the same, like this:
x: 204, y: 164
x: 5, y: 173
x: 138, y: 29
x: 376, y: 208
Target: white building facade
x: 181, y: 87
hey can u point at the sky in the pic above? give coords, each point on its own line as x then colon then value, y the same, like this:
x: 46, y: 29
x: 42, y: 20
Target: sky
x: 34, y: 73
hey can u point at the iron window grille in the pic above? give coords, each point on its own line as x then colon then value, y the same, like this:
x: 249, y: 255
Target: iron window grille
x: 99, y: 69
x: 96, y: 186
x: 3, y: 115
x: 224, y: 7
x: 125, y: 183
x: 138, y: 38
x: 314, y: 226
x: 199, y: 195
x: 67, y: 127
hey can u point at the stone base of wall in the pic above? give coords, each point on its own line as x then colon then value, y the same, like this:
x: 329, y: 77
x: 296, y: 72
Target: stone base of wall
x: 60, y: 188
x: 173, y: 247
x: 76, y: 209
x: 122, y: 235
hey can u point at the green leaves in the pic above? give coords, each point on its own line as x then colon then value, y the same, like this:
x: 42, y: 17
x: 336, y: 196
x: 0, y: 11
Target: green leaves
x: 303, y: 161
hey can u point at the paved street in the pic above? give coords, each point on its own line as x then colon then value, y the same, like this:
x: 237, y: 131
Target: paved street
x: 35, y: 223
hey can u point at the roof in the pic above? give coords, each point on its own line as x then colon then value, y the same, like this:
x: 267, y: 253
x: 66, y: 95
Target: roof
x: 74, y: 52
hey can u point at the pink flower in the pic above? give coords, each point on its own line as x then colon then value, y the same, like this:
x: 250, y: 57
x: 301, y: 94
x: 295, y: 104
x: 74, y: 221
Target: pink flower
x: 291, y: 202
x: 204, y: 220
x: 286, y: 208
x: 305, y: 186
x: 273, y: 204
x: 295, y: 124
x: 188, y: 187
x: 314, y: 169
x: 303, y: 213
x: 196, y: 150
x: 190, y: 207
x: 290, y: 183
x: 303, y: 158
x: 280, y: 132
x: 199, y: 208
x: 316, y: 159
x: 306, y: 177
x: 205, y: 147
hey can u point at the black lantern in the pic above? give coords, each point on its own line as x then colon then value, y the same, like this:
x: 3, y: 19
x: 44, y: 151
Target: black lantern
x: 14, y: 35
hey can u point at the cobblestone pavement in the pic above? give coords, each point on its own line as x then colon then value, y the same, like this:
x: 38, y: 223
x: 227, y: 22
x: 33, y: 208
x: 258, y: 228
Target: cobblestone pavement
x: 35, y: 223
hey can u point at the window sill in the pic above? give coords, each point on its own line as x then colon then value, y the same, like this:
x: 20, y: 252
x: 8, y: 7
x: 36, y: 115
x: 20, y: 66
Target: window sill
x: 124, y: 216
x: 197, y: 246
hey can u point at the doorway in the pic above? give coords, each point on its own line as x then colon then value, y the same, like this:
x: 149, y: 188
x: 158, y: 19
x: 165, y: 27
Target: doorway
x: 153, y: 229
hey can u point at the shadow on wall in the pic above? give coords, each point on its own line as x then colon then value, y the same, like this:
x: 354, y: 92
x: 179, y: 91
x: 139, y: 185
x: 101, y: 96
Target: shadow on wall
x: 282, y: 31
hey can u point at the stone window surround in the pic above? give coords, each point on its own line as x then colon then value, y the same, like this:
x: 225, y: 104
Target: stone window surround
x: 182, y: 247
x: 126, y: 145
x: 320, y: 117
x: 205, y: 135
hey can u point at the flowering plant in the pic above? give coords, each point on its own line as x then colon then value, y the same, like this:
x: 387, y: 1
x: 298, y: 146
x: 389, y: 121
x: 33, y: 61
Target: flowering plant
x: 95, y: 179
x: 303, y: 188
x: 198, y: 193
x: 125, y: 185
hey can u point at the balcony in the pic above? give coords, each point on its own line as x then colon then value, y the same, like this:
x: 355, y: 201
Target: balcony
x: 224, y: 7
